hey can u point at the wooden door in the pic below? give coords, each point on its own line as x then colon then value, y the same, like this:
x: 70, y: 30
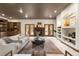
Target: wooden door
x: 46, y: 29
x: 26, y: 29
x: 29, y: 29
x: 49, y: 29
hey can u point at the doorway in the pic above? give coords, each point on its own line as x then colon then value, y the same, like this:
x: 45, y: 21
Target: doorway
x: 47, y: 30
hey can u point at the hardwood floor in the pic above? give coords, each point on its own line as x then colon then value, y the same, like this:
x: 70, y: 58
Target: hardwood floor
x: 49, y: 47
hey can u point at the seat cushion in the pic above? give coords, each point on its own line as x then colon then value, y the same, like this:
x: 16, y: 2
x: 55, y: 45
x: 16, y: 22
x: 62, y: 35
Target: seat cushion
x: 2, y: 42
x: 14, y: 38
x: 8, y: 40
x: 24, y: 39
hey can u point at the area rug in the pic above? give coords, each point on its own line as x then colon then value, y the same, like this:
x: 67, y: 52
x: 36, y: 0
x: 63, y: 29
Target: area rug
x: 49, y: 47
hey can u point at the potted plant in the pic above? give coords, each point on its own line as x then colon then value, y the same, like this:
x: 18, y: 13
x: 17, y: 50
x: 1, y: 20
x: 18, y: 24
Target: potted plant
x: 54, y: 32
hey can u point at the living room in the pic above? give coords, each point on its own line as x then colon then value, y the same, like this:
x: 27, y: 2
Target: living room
x: 39, y: 29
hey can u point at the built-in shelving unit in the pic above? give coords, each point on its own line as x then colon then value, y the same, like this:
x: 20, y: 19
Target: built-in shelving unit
x: 13, y: 28
x: 68, y: 28
x: 3, y: 27
x: 8, y: 28
x: 58, y: 28
x: 67, y: 21
x: 69, y: 37
x: 58, y: 32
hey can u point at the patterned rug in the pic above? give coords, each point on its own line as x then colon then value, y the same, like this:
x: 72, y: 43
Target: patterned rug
x: 49, y: 47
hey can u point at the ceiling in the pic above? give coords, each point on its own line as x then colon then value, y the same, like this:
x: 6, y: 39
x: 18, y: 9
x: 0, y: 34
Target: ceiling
x: 32, y: 10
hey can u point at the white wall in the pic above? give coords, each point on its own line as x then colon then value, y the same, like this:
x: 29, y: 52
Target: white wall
x: 58, y: 23
x: 33, y: 21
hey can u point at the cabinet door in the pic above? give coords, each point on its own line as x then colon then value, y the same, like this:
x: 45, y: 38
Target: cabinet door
x: 26, y: 29
x: 49, y: 29
x: 46, y: 29
x: 31, y: 29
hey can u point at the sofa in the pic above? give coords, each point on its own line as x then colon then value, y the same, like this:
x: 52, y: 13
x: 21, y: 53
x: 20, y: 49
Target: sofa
x: 16, y: 43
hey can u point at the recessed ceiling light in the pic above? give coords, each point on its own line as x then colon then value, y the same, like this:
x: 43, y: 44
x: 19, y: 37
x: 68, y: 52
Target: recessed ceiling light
x: 10, y: 17
x: 21, y: 10
x: 26, y: 15
x: 55, y: 11
x: 3, y: 14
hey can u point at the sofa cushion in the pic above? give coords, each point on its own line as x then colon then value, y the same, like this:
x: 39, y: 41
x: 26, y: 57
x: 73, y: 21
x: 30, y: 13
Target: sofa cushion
x: 24, y: 39
x: 14, y: 38
x: 20, y: 37
x: 2, y: 42
x: 9, y: 40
